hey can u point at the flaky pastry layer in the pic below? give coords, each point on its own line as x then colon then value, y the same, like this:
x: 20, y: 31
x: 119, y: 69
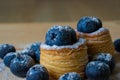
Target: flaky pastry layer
x: 61, y: 61
x: 97, y: 42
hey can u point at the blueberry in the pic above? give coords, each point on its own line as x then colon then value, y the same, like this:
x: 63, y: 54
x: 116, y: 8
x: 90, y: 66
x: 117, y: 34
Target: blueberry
x: 117, y: 45
x: 70, y: 76
x: 36, y: 48
x: 73, y: 35
x: 8, y: 57
x: 6, y: 48
x: 89, y: 24
x: 33, y: 50
x: 60, y: 35
x: 37, y: 72
x: 106, y: 58
x: 28, y: 52
x: 97, y: 70
x: 21, y: 64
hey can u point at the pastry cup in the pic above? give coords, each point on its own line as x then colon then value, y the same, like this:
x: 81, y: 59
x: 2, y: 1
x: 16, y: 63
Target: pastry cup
x: 98, y: 41
x: 63, y: 59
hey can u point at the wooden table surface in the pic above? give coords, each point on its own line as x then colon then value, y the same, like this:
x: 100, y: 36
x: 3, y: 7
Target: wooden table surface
x: 21, y: 34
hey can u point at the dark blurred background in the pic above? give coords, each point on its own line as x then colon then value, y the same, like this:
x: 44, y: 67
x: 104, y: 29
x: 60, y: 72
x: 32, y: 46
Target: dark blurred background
x: 57, y: 10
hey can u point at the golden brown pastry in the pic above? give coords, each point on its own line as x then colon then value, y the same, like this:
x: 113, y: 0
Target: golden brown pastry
x: 62, y: 59
x: 98, y: 41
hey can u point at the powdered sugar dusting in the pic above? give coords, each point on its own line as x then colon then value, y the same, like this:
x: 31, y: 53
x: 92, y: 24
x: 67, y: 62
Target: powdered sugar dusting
x: 39, y: 67
x: 100, y: 66
x: 106, y: 56
x: 3, y: 46
x: 95, y: 19
x: 100, y: 30
x: 92, y: 63
x: 96, y: 32
x: 70, y: 76
x: 59, y: 27
x: 76, y: 45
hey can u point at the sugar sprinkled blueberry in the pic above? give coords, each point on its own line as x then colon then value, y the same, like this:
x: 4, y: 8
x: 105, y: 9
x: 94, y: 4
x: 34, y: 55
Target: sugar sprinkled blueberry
x: 37, y: 72
x: 36, y: 48
x: 6, y: 48
x: 28, y: 52
x: 96, y: 70
x: 8, y: 57
x: 21, y: 64
x: 117, y: 45
x: 106, y: 58
x: 33, y: 50
x: 89, y: 24
x: 60, y: 35
x: 70, y: 76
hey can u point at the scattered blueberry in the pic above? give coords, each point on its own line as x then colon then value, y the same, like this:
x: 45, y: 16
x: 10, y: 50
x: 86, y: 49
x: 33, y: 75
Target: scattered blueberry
x: 33, y: 50
x: 60, y: 35
x: 8, y: 57
x: 117, y: 45
x: 21, y: 64
x: 97, y: 70
x: 106, y: 58
x: 28, y: 52
x: 36, y: 48
x: 89, y: 24
x: 70, y: 76
x: 6, y: 48
x: 37, y: 72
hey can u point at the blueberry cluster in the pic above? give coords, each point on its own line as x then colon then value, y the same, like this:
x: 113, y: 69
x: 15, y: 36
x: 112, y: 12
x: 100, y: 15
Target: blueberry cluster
x: 21, y: 64
x: 33, y: 50
x: 24, y: 63
x: 97, y: 70
x: 101, y: 66
x: 106, y: 58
